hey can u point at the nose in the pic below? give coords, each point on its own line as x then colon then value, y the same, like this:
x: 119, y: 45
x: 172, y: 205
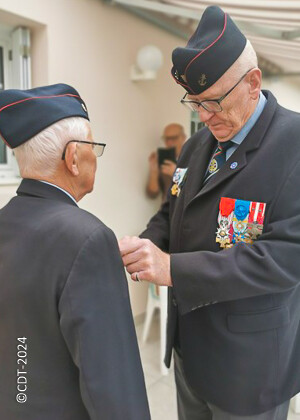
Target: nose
x: 204, y: 115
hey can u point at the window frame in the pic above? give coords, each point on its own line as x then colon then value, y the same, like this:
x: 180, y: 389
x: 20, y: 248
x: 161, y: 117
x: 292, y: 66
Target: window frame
x: 8, y: 174
x: 12, y: 40
x: 195, y: 123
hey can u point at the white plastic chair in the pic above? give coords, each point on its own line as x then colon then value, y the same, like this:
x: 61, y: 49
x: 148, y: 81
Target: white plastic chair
x: 157, y: 298
x: 295, y: 404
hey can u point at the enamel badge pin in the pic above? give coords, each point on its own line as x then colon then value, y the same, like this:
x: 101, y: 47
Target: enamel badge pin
x: 178, y: 180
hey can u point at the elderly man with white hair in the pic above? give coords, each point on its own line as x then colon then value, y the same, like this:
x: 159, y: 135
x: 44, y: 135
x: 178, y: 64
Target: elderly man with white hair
x: 227, y: 240
x: 69, y: 349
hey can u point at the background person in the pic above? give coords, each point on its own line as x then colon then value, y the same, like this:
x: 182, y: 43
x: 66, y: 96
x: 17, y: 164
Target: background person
x: 69, y: 344
x: 160, y: 177
x: 227, y: 240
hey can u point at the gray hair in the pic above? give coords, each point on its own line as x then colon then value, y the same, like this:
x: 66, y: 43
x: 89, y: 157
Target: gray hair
x: 41, y: 155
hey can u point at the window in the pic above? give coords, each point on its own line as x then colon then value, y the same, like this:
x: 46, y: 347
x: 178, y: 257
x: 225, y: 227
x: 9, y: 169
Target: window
x: 14, y: 73
x: 196, y: 125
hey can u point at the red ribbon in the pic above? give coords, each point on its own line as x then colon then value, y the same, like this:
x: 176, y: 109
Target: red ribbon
x: 226, y: 206
x: 252, y: 211
x: 260, y: 212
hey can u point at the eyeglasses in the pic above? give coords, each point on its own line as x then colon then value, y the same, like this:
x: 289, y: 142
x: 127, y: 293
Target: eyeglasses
x: 170, y: 138
x: 210, y: 105
x: 98, y: 148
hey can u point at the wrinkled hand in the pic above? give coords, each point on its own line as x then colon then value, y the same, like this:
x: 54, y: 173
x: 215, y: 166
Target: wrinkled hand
x: 142, y: 257
x: 168, y: 168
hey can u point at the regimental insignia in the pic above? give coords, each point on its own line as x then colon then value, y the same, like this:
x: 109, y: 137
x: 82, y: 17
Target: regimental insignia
x: 202, y: 81
x: 178, y: 180
x: 183, y: 77
x: 239, y: 221
x: 213, y: 166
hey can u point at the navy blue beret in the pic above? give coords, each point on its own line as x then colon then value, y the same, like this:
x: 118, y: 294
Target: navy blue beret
x: 212, y: 49
x: 25, y: 113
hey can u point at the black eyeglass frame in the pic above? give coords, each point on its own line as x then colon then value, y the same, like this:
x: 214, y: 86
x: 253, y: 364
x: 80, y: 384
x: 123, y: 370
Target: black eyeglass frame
x: 82, y: 141
x: 218, y: 101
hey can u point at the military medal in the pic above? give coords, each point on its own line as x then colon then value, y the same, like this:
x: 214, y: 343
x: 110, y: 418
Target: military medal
x: 225, y: 221
x: 255, y: 220
x: 240, y: 220
x: 178, y: 179
x: 174, y: 189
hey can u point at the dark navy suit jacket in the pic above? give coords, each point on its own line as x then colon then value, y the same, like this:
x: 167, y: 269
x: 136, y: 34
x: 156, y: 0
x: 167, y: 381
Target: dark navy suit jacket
x: 238, y: 309
x: 64, y: 294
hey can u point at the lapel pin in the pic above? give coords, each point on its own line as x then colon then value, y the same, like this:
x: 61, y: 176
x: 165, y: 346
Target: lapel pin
x: 233, y: 165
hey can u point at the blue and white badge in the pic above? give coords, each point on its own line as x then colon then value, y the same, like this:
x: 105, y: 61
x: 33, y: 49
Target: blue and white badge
x: 179, y: 175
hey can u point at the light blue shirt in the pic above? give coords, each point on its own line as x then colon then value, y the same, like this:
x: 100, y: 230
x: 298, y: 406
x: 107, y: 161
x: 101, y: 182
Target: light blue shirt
x: 241, y: 135
x: 56, y: 186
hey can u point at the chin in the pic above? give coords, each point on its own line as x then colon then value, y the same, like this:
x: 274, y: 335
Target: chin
x: 223, y: 136
x: 90, y: 189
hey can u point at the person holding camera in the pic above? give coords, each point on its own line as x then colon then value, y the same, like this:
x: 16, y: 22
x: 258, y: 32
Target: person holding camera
x: 160, y: 175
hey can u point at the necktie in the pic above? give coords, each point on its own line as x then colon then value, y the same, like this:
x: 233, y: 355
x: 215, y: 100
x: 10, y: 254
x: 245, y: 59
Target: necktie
x: 217, y: 161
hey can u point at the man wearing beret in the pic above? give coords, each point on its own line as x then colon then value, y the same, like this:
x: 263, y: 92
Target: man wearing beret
x: 68, y: 344
x: 227, y: 241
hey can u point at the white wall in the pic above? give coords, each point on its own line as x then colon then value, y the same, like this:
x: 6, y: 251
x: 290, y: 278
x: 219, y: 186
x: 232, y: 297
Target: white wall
x: 92, y: 46
x: 286, y: 91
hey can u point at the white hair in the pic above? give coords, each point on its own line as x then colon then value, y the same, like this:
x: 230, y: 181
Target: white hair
x: 246, y: 61
x: 41, y: 155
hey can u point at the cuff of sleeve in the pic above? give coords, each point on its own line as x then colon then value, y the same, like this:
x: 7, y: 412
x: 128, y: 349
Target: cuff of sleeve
x: 188, y: 291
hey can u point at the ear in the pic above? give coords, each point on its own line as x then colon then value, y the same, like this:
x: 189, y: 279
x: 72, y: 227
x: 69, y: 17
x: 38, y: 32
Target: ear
x: 255, y: 77
x: 71, y: 159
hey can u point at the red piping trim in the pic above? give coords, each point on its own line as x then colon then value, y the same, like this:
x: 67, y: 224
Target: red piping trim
x: 201, y: 52
x: 38, y: 97
x: 28, y: 99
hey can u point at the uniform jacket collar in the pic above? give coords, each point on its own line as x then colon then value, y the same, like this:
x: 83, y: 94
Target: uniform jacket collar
x: 200, y: 159
x: 34, y: 188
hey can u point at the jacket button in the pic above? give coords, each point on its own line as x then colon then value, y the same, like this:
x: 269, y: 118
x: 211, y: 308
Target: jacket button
x: 174, y: 302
